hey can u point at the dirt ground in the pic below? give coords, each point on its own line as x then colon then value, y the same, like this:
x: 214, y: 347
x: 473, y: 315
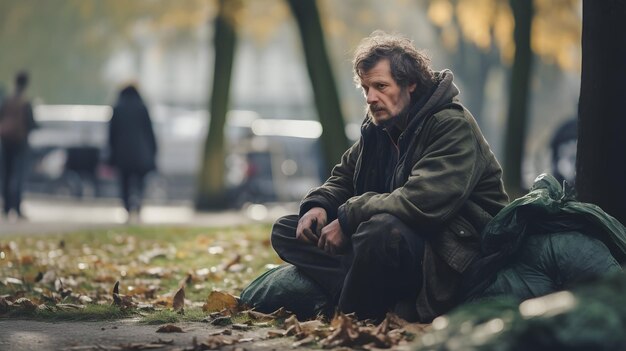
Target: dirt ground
x: 28, y: 335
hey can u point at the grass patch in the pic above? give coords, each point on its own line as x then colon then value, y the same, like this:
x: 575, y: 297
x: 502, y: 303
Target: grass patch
x: 151, y: 264
x: 169, y: 316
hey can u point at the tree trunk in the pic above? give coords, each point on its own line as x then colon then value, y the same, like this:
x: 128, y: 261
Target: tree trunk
x: 211, y: 185
x: 601, y: 160
x: 334, y: 139
x: 518, y: 97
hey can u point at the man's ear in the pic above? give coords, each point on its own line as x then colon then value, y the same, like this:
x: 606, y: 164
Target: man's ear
x: 412, y: 87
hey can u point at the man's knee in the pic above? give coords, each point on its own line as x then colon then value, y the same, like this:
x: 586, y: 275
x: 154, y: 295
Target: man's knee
x: 382, y: 234
x: 283, y: 231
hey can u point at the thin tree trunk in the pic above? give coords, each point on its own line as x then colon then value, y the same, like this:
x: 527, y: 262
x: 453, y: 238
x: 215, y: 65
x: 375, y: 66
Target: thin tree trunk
x: 601, y: 160
x: 518, y: 98
x: 211, y: 185
x: 334, y: 139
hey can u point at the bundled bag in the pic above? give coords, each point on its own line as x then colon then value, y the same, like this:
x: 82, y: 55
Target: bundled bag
x: 285, y: 286
x: 543, y: 242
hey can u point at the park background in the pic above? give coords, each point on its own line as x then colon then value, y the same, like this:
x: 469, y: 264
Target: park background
x: 251, y: 65
x: 252, y: 102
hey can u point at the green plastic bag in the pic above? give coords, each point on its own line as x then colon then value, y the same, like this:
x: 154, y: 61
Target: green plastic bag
x: 532, y: 240
x: 285, y: 286
x: 552, y: 262
x: 548, y: 208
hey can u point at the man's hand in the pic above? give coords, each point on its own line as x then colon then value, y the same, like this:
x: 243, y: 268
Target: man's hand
x: 332, y: 239
x: 310, y: 225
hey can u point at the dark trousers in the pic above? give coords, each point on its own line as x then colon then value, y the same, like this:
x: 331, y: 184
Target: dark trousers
x: 382, y: 267
x: 132, y: 185
x: 14, y: 159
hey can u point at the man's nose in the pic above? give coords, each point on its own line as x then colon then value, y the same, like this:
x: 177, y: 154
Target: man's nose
x: 371, y: 97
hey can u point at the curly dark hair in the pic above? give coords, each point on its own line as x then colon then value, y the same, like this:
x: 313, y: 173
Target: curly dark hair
x: 408, y: 65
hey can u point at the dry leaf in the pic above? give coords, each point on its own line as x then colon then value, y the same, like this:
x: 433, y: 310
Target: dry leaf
x: 310, y: 326
x: 116, y: 299
x: 169, y: 328
x: 121, y: 300
x: 395, y: 321
x: 348, y: 333
x: 238, y: 326
x: 179, y: 300
x: 212, y: 343
x: 383, y: 327
x: 218, y: 301
x: 281, y: 313
x: 276, y: 333
x: 258, y: 316
x: 264, y: 317
x: 26, y: 304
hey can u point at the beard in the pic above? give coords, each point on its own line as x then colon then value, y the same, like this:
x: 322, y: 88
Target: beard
x: 399, y: 119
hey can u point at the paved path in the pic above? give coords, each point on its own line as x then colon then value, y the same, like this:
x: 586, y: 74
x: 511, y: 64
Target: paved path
x: 25, y: 335
x: 54, y: 215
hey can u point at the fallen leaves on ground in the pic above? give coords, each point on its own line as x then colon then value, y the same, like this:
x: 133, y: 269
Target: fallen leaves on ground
x: 150, y: 265
x: 149, y: 270
x: 345, y: 331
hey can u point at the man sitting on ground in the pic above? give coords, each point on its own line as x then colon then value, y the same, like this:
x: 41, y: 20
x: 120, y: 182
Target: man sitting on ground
x: 400, y: 216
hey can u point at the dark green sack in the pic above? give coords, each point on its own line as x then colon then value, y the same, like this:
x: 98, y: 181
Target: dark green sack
x: 285, y: 286
x: 521, y: 230
x: 548, y: 208
x: 552, y: 262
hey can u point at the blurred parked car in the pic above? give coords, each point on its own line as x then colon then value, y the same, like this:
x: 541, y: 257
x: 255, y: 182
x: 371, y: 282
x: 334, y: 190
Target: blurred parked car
x: 67, y: 148
x: 268, y: 159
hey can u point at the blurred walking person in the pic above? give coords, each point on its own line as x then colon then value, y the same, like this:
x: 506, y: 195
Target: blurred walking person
x: 16, y: 123
x: 132, y: 147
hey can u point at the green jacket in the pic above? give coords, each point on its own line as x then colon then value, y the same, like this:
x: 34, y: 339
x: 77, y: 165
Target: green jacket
x: 447, y: 185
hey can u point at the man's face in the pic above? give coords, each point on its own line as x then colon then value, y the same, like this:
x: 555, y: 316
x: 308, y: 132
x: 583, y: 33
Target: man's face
x: 385, y: 98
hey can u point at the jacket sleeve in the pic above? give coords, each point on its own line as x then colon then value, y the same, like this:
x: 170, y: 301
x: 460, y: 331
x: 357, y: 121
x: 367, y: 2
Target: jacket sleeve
x: 438, y: 185
x: 338, y: 188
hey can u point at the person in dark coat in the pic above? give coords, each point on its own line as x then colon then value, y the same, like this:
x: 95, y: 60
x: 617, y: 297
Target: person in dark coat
x: 132, y: 146
x: 16, y: 123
